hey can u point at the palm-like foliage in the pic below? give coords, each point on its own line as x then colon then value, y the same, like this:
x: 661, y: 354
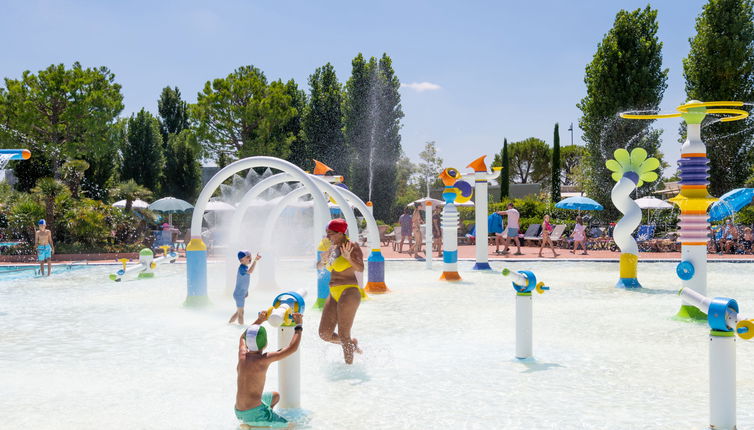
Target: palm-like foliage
x: 130, y: 191
x: 48, y: 189
x: 73, y: 174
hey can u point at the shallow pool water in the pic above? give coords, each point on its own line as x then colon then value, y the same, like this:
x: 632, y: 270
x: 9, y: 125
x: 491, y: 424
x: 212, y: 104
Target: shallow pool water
x: 79, y: 351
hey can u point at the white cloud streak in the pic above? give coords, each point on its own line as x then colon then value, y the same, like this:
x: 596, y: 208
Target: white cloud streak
x: 421, y: 86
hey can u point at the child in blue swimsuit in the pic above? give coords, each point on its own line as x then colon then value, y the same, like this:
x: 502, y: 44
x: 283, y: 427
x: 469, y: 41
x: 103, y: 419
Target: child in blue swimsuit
x: 243, y: 276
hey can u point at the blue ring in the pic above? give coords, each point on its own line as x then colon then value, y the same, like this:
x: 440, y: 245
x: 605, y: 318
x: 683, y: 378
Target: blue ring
x: 531, y: 282
x: 297, y: 297
x: 718, y: 309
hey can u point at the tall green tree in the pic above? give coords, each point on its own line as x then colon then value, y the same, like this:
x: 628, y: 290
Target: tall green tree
x: 372, y: 130
x: 720, y: 66
x: 323, y: 121
x: 555, y: 164
x: 625, y: 73
x: 143, y: 159
x: 501, y: 160
x: 183, y: 172
x: 65, y: 113
x: 241, y: 116
x: 173, y: 113
x: 530, y: 161
x: 571, y: 156
x: 295, y: 125
x: 430, y: 167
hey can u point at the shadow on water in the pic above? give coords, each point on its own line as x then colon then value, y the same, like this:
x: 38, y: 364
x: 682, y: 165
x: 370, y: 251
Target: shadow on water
x: 532, y: 365
x: 356, y: 373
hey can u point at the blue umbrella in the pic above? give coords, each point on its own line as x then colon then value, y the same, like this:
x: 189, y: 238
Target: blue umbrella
x: 730, y: 203
x: 170, y: 205
x: 579, y: 203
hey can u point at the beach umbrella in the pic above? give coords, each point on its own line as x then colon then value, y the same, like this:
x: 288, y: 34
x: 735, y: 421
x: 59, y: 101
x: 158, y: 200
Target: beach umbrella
x: 579, y: 203
x: 135, y: 204
x: 730, y: 203
x: 423, y: 200
x: 170, y: 206
x: 650, y: 203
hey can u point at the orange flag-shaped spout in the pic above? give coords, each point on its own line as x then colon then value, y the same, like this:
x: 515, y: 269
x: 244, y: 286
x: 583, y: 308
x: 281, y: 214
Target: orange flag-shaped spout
x: 321, y: 168
x: 449, y: 176
x: 478, y: 165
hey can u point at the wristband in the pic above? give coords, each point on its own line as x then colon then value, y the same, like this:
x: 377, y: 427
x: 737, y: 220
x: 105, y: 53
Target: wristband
x: 298, y: 327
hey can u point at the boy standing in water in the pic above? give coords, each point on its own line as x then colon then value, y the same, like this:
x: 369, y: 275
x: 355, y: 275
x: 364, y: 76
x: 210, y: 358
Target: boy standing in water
x: 43, y: 242
x: 243, y: 276
x: 253, y: 405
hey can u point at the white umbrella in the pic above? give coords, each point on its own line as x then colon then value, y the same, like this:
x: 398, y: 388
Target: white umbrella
x: 652, y: 203
x: 135, y: 204
x: 422, y: 200
x: 219, y: 206
x: 468, y: 204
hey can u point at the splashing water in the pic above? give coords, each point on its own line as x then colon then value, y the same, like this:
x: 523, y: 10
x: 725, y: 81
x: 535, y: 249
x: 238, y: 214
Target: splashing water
x: 4, y: 159
x: 373, y: 105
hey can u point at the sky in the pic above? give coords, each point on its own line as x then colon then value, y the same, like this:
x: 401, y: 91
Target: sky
x: 472, y: 72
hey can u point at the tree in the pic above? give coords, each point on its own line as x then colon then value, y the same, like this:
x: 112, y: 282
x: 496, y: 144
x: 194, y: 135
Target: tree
x: 625, y: 73
x: 173, y: 113
x: 430, y: 167
x: 183, y: 170
x: 555, y: 179
x: 407, y: 189
x: 295, y: 125
x: 142, y: 153
x: 241, y: 116
x: 64, y: 112
x: 505, y: 174
x: 530, y: 161
x: 48, y: 189
x: 323, y: 121
x: 720, y: 66
x: 372, y: 130
x: 130, y: 191
x: 571, y: 156
x: 73, y: 174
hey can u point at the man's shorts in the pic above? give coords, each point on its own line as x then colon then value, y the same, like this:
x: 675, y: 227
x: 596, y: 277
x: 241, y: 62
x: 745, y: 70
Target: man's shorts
x: 44, y: 252
x: 262, y: 415
x: 512, y: 232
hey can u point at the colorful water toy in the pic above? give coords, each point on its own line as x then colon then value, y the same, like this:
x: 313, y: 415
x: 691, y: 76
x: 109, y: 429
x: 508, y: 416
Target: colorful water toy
x: 147, y: 264
x: 524, y: 282
x: 693, y: 198
x: 15, y: 154
x: 725, y: 323
x: 455, y: 191
x: 630, y: 171
x: 480, y: 177
x: 289, y: 369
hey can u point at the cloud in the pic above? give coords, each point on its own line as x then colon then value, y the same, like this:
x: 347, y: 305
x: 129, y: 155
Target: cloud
x: 421, y: 86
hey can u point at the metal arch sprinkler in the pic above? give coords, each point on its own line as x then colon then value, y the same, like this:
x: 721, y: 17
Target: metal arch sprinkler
x: 694, y: 198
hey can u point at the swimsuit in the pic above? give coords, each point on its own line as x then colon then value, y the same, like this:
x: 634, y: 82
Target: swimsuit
x: 242, y: 285
x: 44, y: 252
x: 262, y: 415
x: 339, y: 264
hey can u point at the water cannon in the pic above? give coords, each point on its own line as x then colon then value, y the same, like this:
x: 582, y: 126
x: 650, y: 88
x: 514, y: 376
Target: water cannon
x: 725, y: 322
x: 146, y: 265
x: 284, y: 306
x: 524, y: 282
x: 16, y: 154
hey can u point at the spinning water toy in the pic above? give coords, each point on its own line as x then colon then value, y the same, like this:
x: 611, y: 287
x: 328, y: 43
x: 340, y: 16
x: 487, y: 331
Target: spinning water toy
x: 630, y: 171
x: 289, y: 370
x: 147, y: 264
x: 524, y: 282
x: 455, y: 191
x: 481, y: 176
x: 693, y: 198
x: 725, y: 323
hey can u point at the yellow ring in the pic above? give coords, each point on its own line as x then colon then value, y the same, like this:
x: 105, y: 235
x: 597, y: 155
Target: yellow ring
x: 738, y: 114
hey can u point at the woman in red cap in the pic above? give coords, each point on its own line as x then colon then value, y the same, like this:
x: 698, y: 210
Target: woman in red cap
x: 343, y: 259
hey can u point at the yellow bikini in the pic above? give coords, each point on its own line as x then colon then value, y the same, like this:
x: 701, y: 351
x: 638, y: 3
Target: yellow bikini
x: 340, y: 264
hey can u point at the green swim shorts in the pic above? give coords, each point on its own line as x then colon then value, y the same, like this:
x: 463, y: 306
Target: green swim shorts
x: 262, y: 415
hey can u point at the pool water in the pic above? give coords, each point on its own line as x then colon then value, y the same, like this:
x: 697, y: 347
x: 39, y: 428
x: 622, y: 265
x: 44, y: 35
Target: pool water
x: 78, y: 351
x: 10, y: 273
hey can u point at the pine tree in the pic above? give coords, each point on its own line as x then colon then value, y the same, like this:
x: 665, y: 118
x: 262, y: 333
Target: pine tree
x: 555, y: 164
x: 720, y: 66
x: 173, y: 113
x: 142, y: 153
x: 323, y: 121
x: 626, y: 73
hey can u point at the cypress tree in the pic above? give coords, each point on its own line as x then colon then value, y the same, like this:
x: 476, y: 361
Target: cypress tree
x: 142, y: 153
x: 505, y: 175
x: 183, y: 171
x: 555, y: 181
x: 323, y: 121
x: 173, y: 113
x: 720, y: 66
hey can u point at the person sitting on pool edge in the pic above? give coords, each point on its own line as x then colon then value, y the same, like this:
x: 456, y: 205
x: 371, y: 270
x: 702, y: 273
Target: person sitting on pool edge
x: 253, y: 405
x: 243, y: 276
x: 43, y: 241
x: 342, y: 260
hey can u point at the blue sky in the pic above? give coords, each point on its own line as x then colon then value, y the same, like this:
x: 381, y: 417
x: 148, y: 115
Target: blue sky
x: 498, y: 69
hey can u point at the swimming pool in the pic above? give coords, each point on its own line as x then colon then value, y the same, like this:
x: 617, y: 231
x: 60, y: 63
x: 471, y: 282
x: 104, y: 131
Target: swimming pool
x: 79, y: 351
x: 10, y: 273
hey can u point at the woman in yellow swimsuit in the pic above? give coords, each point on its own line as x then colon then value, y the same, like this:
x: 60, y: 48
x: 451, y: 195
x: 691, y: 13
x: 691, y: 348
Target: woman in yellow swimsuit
x: 343, y: 259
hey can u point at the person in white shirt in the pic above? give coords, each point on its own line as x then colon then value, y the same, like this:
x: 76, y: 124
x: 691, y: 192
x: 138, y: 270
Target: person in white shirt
x: 511, y: 229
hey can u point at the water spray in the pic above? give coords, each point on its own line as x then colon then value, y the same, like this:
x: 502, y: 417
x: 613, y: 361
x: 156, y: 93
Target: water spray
x: 524, y: 282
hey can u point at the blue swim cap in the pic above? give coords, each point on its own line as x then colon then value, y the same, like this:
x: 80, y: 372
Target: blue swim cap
x: 256, y: 337
x: 242, y: 254
x: 42, y: 222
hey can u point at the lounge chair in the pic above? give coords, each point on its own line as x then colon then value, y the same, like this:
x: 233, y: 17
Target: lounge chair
x: 557, y: 234
x: 643, y: 237
x: 383, y: 235
x: 533, y: 233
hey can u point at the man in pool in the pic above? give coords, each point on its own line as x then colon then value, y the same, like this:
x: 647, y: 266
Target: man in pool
x: 243, y: 276
x: 253, y: 405
x: 43, y: 242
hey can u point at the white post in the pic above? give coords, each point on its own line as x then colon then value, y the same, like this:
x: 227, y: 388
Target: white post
x: 523, y: 325
x: 289, y: 372
x: 722, y: 381
x: 428, y: 233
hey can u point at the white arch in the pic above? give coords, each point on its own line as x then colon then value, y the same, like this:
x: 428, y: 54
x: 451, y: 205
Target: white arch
x: 373, y: 232
x: 245, y: 164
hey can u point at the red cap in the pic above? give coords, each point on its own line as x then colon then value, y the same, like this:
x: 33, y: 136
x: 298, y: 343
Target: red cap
x: 338, y: 225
